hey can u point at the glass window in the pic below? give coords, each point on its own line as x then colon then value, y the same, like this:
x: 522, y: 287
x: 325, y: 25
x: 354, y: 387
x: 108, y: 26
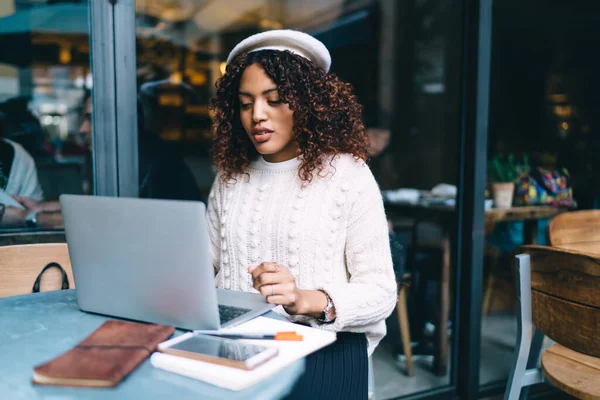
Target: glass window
x: 419, y: 170
x: 45, y: 130
x: 543, y: 110
x: 403, y: 59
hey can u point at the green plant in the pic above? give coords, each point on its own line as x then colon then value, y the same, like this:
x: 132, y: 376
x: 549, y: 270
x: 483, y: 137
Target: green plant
x: 506, y: 170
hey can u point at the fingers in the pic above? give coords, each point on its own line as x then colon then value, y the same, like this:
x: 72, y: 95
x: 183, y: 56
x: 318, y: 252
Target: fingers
x: 275, y: 282
x: 28, y: 202
x: 271, y: 278
x: 264, y: 267
x: 277, y: 289
x: 278, y: 299
x: 21, y: 199
x: 285, y: 299
x: 270, y: 290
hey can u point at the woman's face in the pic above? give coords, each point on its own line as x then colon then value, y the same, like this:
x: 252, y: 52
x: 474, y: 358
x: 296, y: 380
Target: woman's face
x: 266, y: 119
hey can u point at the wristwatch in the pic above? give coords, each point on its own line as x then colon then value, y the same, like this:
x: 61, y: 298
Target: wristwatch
x: 31, y: 219
x: 326, y: 317
x: 2, y: 210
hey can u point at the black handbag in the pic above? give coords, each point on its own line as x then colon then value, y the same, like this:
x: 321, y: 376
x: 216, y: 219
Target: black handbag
x: 65, y: 278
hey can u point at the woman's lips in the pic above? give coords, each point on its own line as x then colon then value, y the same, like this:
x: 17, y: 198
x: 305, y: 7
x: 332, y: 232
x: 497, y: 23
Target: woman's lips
x: 262, y: 136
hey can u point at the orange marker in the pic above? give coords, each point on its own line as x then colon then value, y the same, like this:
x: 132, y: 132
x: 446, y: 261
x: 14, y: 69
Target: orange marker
x: 291, y: 336
x: 288, y: 336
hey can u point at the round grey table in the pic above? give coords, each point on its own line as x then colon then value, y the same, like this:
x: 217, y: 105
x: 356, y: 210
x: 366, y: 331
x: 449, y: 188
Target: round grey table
x: 37, y: 327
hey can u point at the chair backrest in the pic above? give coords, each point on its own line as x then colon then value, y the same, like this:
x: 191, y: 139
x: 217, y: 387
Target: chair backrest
x: 20, y: 265
x: 565, y: 297
x: 575, y: 227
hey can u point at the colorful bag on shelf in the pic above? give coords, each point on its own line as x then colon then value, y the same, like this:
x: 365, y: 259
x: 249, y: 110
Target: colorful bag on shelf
x: 544, y: 187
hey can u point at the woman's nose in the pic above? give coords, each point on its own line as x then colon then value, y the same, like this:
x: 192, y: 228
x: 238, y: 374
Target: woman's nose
x: 258, y: 112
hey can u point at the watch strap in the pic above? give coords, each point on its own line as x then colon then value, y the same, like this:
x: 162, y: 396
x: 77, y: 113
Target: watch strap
x: 325, y: 316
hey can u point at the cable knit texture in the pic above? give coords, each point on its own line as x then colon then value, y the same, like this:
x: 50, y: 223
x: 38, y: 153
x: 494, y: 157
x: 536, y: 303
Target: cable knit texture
x: 331, y: 233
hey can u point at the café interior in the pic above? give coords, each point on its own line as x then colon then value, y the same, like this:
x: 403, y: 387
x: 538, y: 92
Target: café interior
x: 408, y: 64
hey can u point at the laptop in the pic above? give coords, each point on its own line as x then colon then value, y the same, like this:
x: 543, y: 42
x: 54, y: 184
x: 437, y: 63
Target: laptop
x: 150, y: 260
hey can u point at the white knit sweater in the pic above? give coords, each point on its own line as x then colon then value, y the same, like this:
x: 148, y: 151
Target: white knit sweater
x: 332, y: 234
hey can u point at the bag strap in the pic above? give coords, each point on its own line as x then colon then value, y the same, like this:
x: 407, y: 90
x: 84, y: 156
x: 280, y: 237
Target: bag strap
x: 65, y: 278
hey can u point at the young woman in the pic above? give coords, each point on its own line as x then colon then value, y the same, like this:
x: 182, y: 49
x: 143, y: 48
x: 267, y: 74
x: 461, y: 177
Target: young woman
x: 295, y: 213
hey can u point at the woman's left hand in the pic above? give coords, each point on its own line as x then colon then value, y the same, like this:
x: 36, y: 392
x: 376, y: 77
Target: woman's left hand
x: 278, y: 285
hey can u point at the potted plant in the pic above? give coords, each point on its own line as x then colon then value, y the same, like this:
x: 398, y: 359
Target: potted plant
x: 502, y: 173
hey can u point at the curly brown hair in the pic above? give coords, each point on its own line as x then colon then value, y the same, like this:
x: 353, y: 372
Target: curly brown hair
x: 327, y: 116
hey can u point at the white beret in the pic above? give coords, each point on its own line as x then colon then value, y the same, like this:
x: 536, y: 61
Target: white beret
x: 297, y: 42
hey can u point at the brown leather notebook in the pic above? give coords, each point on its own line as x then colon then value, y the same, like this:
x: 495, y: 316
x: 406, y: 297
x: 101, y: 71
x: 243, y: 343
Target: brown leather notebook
x: 105, y: 357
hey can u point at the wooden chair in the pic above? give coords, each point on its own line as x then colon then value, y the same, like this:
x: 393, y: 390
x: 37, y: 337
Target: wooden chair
x: 402, y: 311
x: 428, y: 253
x: 20, y: 265
x: 433, y: 242
x: 559, y: 292
x: 575, y: 227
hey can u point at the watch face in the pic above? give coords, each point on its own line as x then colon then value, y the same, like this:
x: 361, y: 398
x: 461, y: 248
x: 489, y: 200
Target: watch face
x: 31, y: 219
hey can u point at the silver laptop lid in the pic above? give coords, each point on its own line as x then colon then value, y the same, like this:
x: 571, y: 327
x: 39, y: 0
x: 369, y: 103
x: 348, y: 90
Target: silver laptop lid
x: 142, y: 259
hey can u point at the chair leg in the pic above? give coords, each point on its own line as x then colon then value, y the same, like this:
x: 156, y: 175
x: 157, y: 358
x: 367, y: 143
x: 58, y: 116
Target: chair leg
x: 404, y: 330
x: 440, y: 365
x: 371, y: 385
x: 524, y: 328
x: 534, y: 357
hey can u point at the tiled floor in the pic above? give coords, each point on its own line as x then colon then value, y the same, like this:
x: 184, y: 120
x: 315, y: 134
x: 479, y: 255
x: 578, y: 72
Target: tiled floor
x: 497, y: 345
x: 390, y: 379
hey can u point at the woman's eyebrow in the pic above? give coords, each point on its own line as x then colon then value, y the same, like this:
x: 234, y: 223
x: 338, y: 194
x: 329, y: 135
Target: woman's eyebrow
x: 265, y: 92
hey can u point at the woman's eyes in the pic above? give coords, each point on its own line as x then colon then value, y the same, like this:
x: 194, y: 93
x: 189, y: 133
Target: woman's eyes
x: 245, y: 106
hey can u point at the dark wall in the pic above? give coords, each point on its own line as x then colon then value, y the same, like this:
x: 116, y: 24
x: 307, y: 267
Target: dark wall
x: 426, y: 128
x: 544, y: 60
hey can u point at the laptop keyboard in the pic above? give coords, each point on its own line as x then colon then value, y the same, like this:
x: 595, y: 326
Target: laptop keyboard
x: 227, y: 313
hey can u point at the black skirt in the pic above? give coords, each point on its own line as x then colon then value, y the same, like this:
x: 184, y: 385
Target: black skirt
x: 339, y: 371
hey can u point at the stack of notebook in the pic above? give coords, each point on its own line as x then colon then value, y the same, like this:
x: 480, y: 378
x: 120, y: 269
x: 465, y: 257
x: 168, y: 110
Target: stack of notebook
x: 238, y: 379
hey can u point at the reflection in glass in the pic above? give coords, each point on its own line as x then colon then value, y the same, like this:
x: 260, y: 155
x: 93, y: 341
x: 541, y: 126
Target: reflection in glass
x: 44, y: 77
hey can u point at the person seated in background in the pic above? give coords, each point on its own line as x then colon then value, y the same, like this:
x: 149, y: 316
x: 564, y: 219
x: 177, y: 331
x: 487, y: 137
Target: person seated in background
x: 381, y: 156
x: 23, y: 127
x: 25, y: 212
x: 163, y: 173
x: 21, y: 196
x: 18, y: 168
